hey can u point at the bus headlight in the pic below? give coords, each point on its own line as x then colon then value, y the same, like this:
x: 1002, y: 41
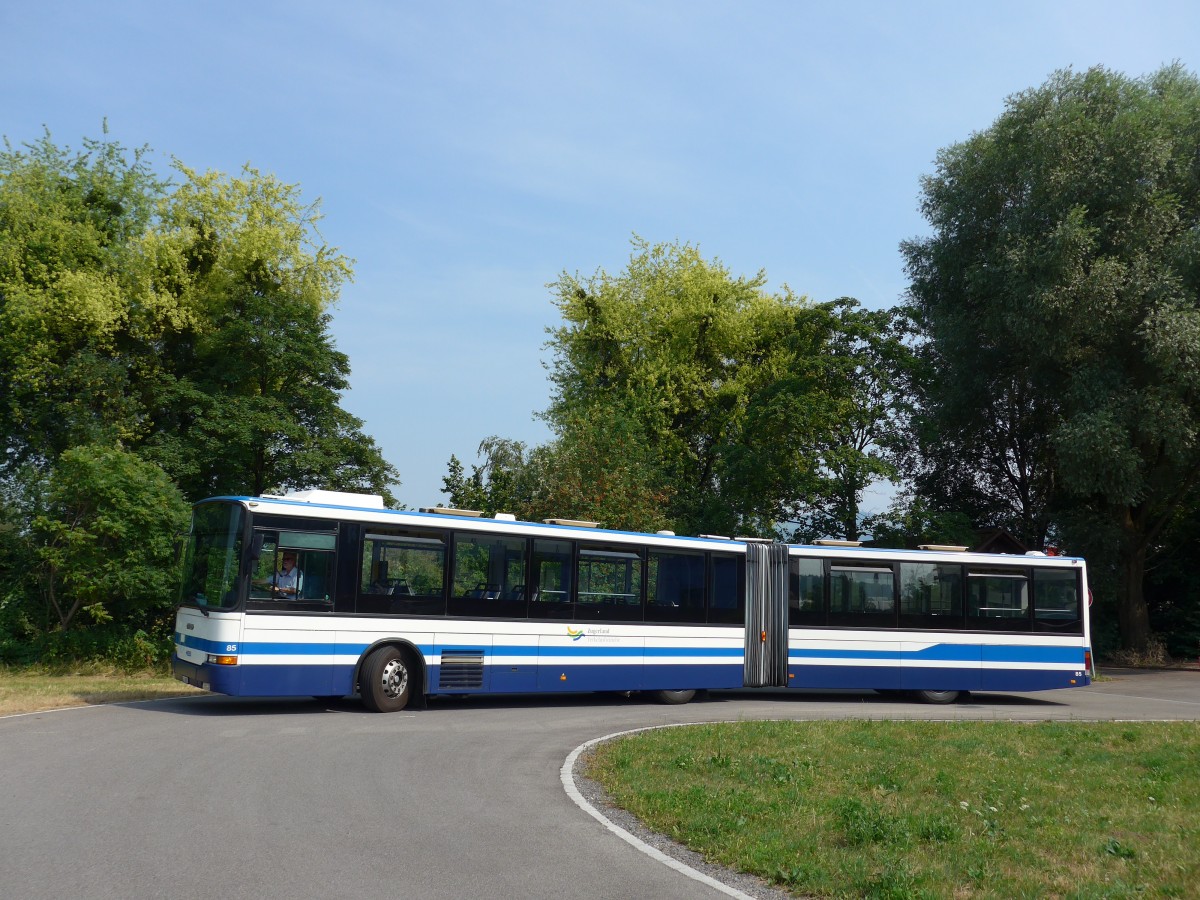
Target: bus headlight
x: 215, y: 660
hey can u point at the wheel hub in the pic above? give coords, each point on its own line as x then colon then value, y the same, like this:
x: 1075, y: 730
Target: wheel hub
x: 394, y: 678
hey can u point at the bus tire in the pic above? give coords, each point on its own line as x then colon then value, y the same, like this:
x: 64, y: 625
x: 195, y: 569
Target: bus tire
x: 672, y: 698
x: 386, y: 680
x: 938, y: 696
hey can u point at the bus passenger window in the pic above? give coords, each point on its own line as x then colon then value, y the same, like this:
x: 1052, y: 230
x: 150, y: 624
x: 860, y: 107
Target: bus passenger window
x: 489, y: 576
x: 551, y: 590
x: 1056, y: 600
x: 727, y: 579
x: 610, y: 584
x: 931, y: 594
x: 806, y: 591
x: 998, y: 598
x: 403, y: 571
x: 676, y: 587
x: 861, y: 590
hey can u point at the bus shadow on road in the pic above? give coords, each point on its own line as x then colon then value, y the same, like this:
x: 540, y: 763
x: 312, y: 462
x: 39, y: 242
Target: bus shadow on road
x: 787, y: 698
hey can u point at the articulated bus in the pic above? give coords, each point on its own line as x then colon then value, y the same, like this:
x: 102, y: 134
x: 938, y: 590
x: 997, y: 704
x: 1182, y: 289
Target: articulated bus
x: 329, y: 594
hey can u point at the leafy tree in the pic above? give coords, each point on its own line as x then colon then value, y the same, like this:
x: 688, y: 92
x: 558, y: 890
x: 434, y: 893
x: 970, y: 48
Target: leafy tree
x: 151, y: 327
x: 74, y: 289
x: 500, y: 484
x: 863, y: 367
x: 104, y: 543
x: 23, y: 614
x: 910, y: 522
x: 595, y: 471
x: 1058, y: 292
x: 187, y: 321
x: 249, y: 397
x: 602, y: 469
x: 688, y: 360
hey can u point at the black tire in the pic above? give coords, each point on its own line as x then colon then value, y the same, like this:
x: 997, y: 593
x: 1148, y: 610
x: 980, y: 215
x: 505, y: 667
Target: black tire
x: 386, y: 681
x: 673, y: 698
x: 938, y: 696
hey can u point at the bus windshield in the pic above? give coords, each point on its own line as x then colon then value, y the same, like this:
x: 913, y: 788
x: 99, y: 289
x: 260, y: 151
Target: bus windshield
x: 213, y: 555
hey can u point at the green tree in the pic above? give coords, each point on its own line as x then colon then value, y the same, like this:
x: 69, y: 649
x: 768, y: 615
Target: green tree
x: 910, y: 522
x: 187, y: 321
x: 104, y: 542
x: 599, y: 471
x: 249, y: 394
x: 864, y: 365
x: 687, y: 360
x: 602, y: 469
x: 151, y: 326
x: 502, y: 483
x: 74, y: 293
x: 1059, y: 295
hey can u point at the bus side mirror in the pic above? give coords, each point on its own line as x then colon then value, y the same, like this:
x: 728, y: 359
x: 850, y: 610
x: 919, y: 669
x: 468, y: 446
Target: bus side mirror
x: 256, y: 545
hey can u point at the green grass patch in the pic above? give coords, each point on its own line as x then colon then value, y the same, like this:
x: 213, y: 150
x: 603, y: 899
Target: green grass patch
x: 33, y: 688
x: 925, y: 809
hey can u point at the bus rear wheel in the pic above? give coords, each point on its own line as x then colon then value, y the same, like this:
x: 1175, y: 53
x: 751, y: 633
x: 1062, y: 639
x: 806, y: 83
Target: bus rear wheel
x: 938, y: 696
x: 673, y: 698
x: 386, y: 680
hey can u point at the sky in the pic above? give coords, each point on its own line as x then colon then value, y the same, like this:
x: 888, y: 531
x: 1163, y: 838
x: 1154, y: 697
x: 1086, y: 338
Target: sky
x: 466, y: 154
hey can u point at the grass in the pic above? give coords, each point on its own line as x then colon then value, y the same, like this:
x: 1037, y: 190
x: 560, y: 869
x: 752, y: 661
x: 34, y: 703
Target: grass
x: 25, y: 690
x: 923, y: 809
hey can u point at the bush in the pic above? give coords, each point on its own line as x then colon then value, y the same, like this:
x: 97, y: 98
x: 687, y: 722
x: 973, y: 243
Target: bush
x: 107, y: 647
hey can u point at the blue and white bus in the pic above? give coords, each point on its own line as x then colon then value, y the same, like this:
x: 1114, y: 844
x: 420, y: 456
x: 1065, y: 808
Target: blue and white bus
x: 398, y: 606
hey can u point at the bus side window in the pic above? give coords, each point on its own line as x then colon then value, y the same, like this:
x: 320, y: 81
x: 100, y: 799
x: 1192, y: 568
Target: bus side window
x: 551, y: 590
x: 489, y: 576
x: 727, y: 589
x: 806, y: 591
x: 931, y: 595
x: 1056, y: 601
x: 676, y: 587
x: 998, y: 599
x: 403, y: 572
x: 610, y: 584
x: 294, y: 571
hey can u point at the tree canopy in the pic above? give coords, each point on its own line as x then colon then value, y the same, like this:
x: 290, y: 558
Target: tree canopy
x: 187, y: 321
x: 160, y: 339
x: 1059, y: 296
x: 688, y: 359
x: 691, y: 399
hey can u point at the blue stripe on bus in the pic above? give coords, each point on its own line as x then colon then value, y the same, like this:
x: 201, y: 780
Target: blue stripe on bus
x: 966, y: 653
x: 1019, y: 654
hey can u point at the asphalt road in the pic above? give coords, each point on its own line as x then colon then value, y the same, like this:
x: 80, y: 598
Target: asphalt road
x: 225, y: 798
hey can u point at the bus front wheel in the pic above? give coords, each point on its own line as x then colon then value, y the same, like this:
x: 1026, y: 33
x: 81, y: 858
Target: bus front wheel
x: 386, y: 681
x: 673, y: 697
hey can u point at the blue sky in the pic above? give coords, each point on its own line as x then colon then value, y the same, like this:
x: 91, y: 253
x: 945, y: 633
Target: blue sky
x: 467, y: 153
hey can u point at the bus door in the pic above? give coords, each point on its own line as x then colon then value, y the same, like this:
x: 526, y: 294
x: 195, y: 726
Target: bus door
x: 766, y: 615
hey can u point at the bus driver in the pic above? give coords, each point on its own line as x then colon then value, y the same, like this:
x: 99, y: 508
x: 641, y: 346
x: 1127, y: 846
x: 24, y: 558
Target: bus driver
x: 286, y: 582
